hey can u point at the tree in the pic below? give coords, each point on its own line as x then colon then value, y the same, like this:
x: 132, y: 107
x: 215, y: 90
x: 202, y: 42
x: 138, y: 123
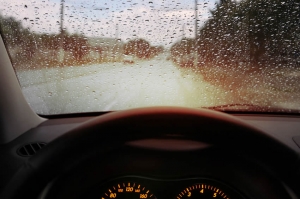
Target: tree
x: 11, y: 30
x: 77, y: 45
x: 183, y: 47
x: 138, y: 47
x: 15, y: 36
x: 251, y: 30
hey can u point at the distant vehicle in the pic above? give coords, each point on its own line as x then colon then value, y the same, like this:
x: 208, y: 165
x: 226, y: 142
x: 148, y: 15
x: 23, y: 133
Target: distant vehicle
x: 128, y: 59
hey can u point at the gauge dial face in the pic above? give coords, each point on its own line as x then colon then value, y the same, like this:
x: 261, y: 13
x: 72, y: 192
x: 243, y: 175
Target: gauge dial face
x: 128, y: 190
x: 204, y: 191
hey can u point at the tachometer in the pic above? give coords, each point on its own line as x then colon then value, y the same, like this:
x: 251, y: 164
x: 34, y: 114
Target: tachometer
x: 128, y: 190
x: 208, y: 191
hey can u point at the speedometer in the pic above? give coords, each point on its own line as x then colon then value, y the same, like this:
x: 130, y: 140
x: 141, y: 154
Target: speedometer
x: 128, y: 190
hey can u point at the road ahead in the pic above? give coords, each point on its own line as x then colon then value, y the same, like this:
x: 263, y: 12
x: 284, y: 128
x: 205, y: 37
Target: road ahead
x: 115, y: 86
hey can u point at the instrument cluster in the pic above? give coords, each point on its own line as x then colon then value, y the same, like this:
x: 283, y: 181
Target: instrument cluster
x: 136, y: 187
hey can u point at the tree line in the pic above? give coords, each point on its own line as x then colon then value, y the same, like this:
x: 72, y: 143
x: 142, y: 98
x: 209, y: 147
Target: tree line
x: 256, y: 33
x: 25, y: 44
x: 28, y: 42
x: 142, y: 49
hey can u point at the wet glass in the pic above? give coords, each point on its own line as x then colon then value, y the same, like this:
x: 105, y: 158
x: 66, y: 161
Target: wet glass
x: 90, y: 56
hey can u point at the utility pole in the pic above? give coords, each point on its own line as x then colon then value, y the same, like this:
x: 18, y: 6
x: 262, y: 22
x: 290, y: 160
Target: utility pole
x: 60, y: 87
x: 196, y: 35
x: 62, y: 16
x: 117, y: 45
x: 61, y: 55
x: 196, y: 20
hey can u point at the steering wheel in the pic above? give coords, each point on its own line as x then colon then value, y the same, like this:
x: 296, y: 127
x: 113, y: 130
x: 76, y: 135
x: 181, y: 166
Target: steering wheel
x: 111, y: 130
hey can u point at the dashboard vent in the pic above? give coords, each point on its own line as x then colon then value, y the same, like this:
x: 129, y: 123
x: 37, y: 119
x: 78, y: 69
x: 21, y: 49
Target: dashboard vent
x: 30, y: 149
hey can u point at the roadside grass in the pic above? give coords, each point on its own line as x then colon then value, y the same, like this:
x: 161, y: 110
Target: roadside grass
x: 40, y: 61
x: 46, y: 62
x: 263, y: 86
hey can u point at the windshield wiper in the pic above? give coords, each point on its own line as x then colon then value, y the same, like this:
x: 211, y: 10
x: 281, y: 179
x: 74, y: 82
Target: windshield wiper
x: 240, y: 107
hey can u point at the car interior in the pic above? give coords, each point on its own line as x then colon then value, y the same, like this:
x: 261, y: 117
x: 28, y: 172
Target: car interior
x: 158, y: 152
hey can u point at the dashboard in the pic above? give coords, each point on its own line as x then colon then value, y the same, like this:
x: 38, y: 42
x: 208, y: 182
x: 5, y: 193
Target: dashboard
x: 185, y: 169
x: 173, y: 167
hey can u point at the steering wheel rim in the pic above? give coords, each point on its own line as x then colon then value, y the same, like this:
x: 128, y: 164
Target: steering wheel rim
x: 115, y: 129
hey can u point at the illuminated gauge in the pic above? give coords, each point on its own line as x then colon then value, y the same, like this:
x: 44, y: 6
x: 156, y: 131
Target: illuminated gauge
x: 128, y: 190
x: 208, y: 191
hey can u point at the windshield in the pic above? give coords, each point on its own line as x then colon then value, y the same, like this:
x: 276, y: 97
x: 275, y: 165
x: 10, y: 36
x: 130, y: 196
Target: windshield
x: 90, y: 56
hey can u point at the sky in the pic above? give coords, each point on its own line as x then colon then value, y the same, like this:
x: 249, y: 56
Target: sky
x: 161, y: 22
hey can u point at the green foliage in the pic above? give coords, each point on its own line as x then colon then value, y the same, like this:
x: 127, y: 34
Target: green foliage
x: 251, y: 31
x: 11, y: 29
x: 24, y: 43
x: 16, y: 36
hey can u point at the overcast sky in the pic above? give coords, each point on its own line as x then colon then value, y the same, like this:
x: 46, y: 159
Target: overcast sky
x: 161, y: 22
